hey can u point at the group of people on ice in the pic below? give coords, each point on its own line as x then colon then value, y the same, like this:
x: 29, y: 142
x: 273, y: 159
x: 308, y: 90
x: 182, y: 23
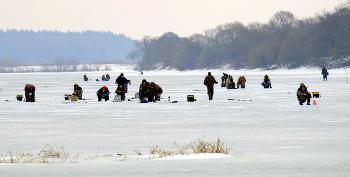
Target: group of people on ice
x: 151, y: 92
x: 227, y: 81
x: 122, y: 88
x: 148, y: 91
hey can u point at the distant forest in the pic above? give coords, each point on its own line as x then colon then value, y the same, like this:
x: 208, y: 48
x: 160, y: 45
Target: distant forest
x: 284, y: 41
x: 26, y: 47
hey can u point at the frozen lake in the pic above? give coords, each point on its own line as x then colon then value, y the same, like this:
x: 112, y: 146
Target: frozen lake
x: 272, y: 135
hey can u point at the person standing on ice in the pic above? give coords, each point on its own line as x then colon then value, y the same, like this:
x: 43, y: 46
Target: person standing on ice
x: 303, y: 95
x: 121, y: 80
x: 224, y: 79
x: 103, y: 93
x: 324, y: 73
x: 78, y: 91
x: 209, y: 81
x: 29, y: 91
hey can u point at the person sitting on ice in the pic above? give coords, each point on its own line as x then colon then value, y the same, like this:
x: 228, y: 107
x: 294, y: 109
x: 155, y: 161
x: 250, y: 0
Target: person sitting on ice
x: 303, y: 95
x: 266, y: 82
x: 29, y: 91
x: 78, y: 91
x: 147, y: 93
x: 85, y: 77
x: 230, y: 84
x: 103, y: 78
x: 103, y: 93
x: 107, y: 77
x: 121, y: 91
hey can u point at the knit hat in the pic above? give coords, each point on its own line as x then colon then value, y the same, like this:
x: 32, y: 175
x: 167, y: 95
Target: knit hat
x: 209, y: 73
x: 121, y: 74
x: 302, y: 85
x: 104, y: 87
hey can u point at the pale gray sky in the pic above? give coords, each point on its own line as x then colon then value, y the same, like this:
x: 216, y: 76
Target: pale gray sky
x: 137, y: 18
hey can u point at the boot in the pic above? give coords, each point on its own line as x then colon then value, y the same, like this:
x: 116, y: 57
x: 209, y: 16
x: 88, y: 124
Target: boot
x: 308, y: 101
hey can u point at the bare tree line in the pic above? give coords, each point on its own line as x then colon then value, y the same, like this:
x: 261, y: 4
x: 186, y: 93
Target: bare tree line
x: 284, y: 41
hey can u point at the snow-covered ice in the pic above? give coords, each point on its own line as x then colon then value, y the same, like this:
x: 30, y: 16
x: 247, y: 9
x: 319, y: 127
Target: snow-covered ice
x: 272, y: 135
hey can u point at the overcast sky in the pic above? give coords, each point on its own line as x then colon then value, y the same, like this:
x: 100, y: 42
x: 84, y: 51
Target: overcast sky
x: 137, y: 18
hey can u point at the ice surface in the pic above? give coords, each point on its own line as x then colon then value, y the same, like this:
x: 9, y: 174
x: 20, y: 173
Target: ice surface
x: 270, y: 136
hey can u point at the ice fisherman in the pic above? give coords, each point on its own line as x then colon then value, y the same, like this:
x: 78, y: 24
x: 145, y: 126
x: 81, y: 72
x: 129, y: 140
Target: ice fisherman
x: 303, y: 95
x: 78, y: 91
x: 230, y: 84
x: 209, y: 81
x: 85, y: 78
x: 266, y: 82
x: 224, y: 79
x: 121, y: 91
x: 103, y: 93
x: 324, y: 73
x: 157, y: 91
x: 121, y: 80
x: 107, y: 77
x: 147, y: 92
x: 241, y: 81
x: 142, y: 85
x: 29, y: 91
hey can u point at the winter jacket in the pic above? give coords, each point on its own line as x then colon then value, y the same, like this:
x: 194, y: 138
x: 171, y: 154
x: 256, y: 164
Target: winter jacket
x: 29, y: 88
x: 147, y: 91
x: 301, y: 92
x: 78, y: 91
x: 102, y: 92
x: 210, y: 80
x: 241, y: 81
x: 121, y: 80
x: 121, y: 91
x: 156, y: 88
x: 324, y: 72
x: 229, y: 82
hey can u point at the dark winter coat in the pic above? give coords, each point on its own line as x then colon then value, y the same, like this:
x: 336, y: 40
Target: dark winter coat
x: 121, y: 80
x: 209, y: 80
x: 78, y: 91
x: 303, y: 94
x: 156, y: 88
x: 103, y: 93
x: 121, y: 91
x: 324, y: 72
x: 147, y: 91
